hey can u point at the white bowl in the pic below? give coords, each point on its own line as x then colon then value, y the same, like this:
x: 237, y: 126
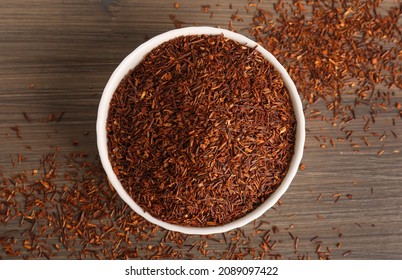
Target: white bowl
x: 133, y: 60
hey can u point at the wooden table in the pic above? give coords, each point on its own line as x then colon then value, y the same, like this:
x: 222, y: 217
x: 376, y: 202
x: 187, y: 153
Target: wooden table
x: 55, y: 59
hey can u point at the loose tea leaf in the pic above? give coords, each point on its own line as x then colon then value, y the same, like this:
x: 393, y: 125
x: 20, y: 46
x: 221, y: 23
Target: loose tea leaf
x: 202, y: 131
x: 346, y: 54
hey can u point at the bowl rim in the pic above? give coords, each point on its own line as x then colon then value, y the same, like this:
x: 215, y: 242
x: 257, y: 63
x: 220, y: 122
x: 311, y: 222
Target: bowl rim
x: 131, y: 61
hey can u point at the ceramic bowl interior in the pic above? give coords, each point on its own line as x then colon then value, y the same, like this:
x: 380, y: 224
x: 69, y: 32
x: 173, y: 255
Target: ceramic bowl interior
x: 131, y: 61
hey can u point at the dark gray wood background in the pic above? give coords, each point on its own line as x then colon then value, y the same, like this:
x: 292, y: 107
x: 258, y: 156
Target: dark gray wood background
x: 56, y: 56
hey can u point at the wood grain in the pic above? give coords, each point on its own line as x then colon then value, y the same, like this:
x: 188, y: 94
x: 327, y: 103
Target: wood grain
x: 56, y: 56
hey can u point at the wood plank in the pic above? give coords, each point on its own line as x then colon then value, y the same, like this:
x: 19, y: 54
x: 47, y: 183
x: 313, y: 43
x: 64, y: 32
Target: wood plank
x: 56, y: 57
